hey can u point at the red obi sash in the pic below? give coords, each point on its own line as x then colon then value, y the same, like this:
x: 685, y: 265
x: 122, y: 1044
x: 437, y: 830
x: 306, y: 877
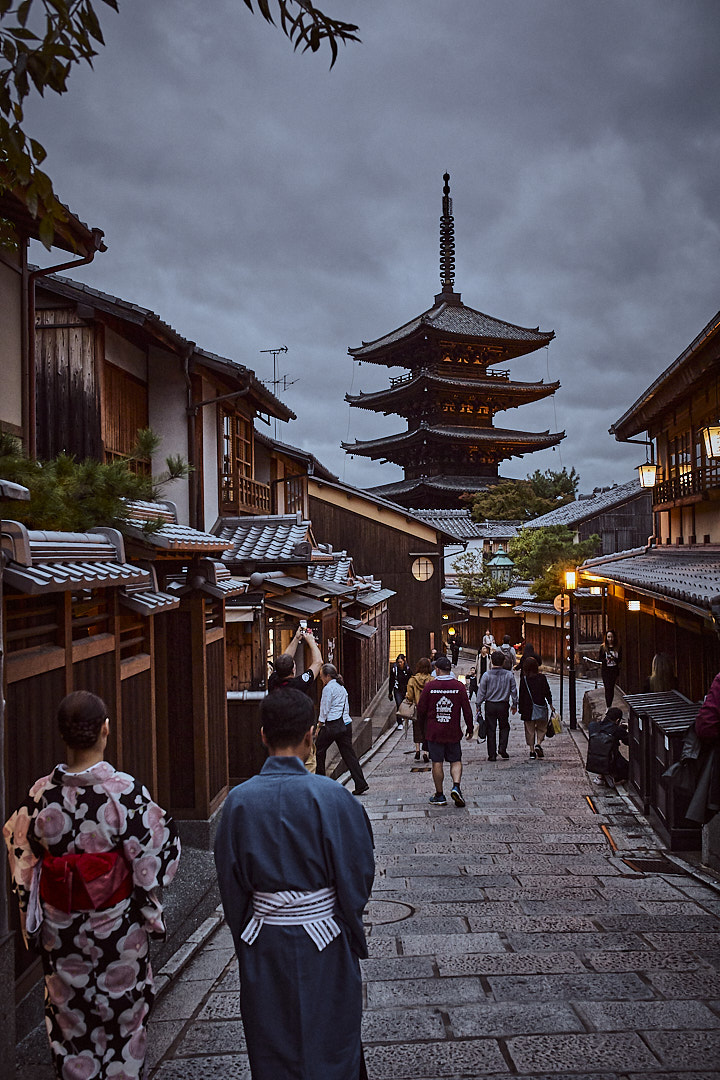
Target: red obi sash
x: 85, y: 882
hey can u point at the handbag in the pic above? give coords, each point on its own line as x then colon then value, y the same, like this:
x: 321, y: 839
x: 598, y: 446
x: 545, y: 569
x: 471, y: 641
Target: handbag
x: 406, y: 710
x: 481, y: 726
x: 539, y: 712
x: 554, y: 725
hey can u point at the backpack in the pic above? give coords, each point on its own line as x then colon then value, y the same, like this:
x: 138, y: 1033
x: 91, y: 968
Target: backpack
x: 507, y: 652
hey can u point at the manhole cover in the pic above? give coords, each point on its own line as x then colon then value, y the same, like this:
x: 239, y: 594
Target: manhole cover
x: 386, y: 911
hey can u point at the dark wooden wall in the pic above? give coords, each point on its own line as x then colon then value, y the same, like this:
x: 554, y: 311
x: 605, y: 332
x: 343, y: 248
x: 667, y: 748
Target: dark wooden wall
x: 384, y: 552
x: 67, y: 390
x: 623, y: 527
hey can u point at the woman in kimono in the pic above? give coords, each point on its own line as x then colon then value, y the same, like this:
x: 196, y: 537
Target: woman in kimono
x: 87, y: 850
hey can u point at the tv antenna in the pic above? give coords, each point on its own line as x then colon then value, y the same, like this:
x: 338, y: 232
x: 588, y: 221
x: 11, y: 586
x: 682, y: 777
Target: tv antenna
x: 277, y: 381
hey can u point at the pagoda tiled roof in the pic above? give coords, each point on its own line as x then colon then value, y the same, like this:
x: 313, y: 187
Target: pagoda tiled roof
x: 691, y: 576
x: 588, y: 506
x: 446, y: 484
x: 524, y: 441
x: 458, y: 320
x: 518, y: 392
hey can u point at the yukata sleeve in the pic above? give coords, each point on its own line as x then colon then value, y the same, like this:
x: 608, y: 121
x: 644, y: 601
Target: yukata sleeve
x: 349, y: 845
x: 21, y: 856
x: 707, y: 723
x: 151, y: 846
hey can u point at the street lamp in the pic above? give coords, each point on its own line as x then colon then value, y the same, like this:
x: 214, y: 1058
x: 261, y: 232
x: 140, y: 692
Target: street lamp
x: 500, y: 568
x: 647, y: 474
x: 570, y: 587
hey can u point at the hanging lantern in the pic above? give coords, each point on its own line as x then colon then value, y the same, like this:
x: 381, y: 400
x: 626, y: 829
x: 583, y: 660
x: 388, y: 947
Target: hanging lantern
x: 711, y: 438
x: 570, y: 580
x: 647, y: 473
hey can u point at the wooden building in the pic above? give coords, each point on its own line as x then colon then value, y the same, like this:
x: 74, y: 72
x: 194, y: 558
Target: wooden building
x: 621, y: 515
x: 451, y: 394
x: 120, y: 368
x: 663, y: 597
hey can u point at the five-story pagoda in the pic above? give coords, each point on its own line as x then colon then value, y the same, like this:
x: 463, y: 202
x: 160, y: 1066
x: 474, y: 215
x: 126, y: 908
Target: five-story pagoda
x: 450, y: 396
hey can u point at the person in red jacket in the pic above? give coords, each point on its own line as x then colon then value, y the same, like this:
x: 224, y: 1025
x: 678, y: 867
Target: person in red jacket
x: 707, y: 723
x: 442, y: 703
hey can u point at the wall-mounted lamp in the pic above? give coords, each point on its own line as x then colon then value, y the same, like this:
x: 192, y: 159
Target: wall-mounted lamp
x: 647, y: 474
x: 570, y: 580
x: 711, y: 438
x: 633, y: 605
x: 596, y: 590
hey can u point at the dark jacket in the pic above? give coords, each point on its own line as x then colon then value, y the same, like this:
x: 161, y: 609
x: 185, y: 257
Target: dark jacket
x: 539, y: 692
x: 399, y: 677
x: 603, y: 754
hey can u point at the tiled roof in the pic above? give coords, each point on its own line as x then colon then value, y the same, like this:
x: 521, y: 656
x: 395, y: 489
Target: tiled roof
x: 355, y: 626
x: 371, y: 597
x: 148, y: 601
x: 588, y: 506
x: 460, y: 524
x: 339, y: 571
x: 521, y: 591
x: 537, y: 608
x: 10, y: 490
x: 501, y: 437
x: 459, y: 484
x: 45, y: 561
x: 692, y: 576
x: 462, y: 321
x: 517, y: 391
x: 170, y: 536
x: 272, y: 537
x: 315, y: 467
x: 72, y: 234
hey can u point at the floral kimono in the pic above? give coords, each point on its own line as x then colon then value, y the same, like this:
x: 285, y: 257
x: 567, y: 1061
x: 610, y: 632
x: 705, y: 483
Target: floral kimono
x: 98, y: 980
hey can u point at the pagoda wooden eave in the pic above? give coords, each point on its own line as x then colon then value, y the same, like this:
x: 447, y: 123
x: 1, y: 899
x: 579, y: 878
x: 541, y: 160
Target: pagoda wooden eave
x: 454, y: 323
x: 502, y: 442
x: 409, y: 390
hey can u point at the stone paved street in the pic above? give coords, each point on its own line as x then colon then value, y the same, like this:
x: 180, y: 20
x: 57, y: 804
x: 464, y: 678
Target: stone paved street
x: 509, y: 938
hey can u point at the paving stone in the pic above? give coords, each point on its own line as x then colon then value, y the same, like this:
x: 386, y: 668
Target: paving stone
x: 434, y: 1060
x: 586, y: 986
x: 221, y: 1006
x: 429, y: 944
x: 221, y: 939
x: 559, y: 1053
x: 398, y: 967
x: 208, y: 964
x: 692, y: 1075
x: 466, y: 908
x: 381, y: 946
x: 685, y: 1049
x: 544, y: 893
x: 417, y: 925
x: 161, y: 1035
x: 677, y: 907
x: 528, y: 924
x: 595, y: 906
x: 424, y: 992
x: 535, y: 963
x: 181, y: 1001
x: 386, y: 911
x: 643, y: 960
x: 644, y: 888
x: 462, y: 847
x: 212, y: 1036
x: 646, y: 1015
x: 229, y: 981
x: 686, y: 984
x: 646, y: 924
x: 526, y: 942
x: 697, y: 942
x: 498, y: 1020
x: 227, y: 1066
x: 462, y: 888
x: 399, y: 1025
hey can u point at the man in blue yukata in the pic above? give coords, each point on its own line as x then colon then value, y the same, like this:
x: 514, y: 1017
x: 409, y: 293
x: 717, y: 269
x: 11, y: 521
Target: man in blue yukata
x: 294, y: 856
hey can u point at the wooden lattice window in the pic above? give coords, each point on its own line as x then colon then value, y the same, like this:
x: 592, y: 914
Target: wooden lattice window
x: 124, y: 413
x: 237, y: 456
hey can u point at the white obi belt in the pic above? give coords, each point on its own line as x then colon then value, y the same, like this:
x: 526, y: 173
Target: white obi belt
x: 314, y: 911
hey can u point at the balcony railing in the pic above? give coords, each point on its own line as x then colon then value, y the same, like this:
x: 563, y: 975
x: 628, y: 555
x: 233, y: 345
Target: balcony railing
x: 695, y: 482
x: 242, y: 493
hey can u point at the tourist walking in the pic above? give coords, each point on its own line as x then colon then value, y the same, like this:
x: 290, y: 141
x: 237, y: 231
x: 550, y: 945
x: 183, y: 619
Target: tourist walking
x: 397, y: 682
x: 284, y: 674
x: 498, y: 689
x: 335, y: 726
x: 423, y: 674
x: 442, y: 703
x: 295, y: 864
x: 610, y: 657
x: 534, y: 691
x: 509, y: 653
x: 88, y: 850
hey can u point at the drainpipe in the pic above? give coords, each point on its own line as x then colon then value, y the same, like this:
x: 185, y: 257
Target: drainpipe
x: 97, y: 235
x: 190, y: 415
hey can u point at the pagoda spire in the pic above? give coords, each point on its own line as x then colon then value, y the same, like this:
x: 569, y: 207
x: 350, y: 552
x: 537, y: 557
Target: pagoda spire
x: 447, y: 248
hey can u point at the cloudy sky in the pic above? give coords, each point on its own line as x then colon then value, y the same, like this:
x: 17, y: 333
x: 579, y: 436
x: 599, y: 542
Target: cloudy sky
x: 253, y: 198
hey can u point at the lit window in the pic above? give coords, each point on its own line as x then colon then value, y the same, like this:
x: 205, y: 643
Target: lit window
x: 422, y: 569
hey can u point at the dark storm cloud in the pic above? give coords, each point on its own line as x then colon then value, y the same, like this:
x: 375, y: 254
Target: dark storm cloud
x: 253, y: 199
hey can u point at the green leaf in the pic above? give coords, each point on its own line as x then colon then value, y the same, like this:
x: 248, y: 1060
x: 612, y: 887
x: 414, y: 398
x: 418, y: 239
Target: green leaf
x: 38, y: 150
x: 23, y: 11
